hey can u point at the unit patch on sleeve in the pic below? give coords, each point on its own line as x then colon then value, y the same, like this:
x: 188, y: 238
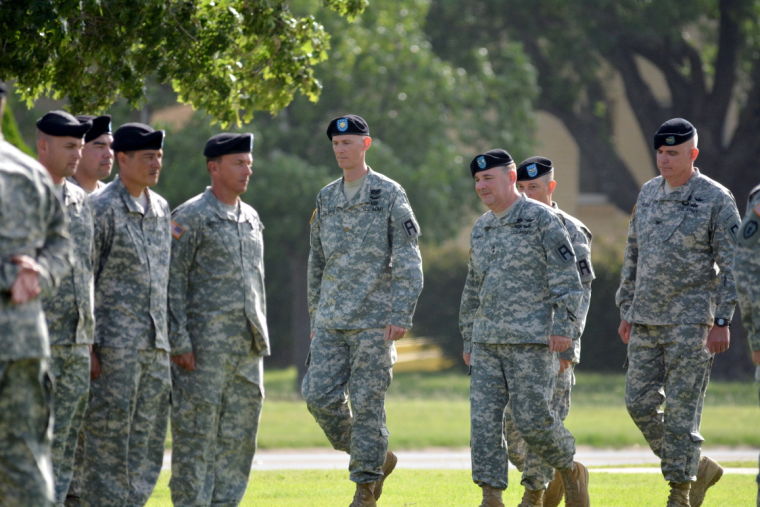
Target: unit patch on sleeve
x: 177, y: 230
x: 411, y: 228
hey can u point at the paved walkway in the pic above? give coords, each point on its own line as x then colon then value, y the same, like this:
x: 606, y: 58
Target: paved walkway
x: 459, y: 459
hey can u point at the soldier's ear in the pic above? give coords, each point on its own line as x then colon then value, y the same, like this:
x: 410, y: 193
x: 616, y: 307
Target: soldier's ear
x: 694, y: 154
x: 552, y: 186
x: 367, y: 141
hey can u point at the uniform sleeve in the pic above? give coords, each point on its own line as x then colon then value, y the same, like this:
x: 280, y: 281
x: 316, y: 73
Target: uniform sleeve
x: 102, y: 237
x: 747, y: 273
x: 406, y: 262
x: 582, y: 247
x: 562, y: 276
x: 624, y: 295
x: 469, y: 305
x: 723, y: 243
x: 55, y: 255
x: 316, y: 263
x: 184, y: 245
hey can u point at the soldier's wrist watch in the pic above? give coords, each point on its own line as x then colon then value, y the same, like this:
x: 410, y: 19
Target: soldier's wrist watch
x: 721, y: 322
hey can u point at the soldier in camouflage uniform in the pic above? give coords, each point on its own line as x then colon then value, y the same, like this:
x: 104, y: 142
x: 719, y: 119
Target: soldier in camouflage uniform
x: 217, y: 330
x: 34, y: 255
x: 97, y: 155
x: 747, y: 272
x: 519, y: 307
x: 68, y: 312
x: 125, y: 424
x: 535, y: 179
x: 364, y: 278
x: 674, y: 307
x: 95, y: 165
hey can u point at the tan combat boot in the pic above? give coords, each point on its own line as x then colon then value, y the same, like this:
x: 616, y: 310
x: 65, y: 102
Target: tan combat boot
x: 532, y: 498
x: 554, y: 491
x: 708, y: 473
x: 388, y: 465
x: 491, y: 497
x: 575, y: 481
x: 364, y: 496
x: 679, y: 494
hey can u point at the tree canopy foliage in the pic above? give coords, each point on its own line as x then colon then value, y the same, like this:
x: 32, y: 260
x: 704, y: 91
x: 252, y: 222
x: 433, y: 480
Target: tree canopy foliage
x: 707, y: 52
x: 228, y: 57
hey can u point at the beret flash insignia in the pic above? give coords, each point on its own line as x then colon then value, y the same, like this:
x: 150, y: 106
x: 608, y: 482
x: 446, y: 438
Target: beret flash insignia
x: 482, y: 162
x: 342, y: 124
x: 532, y: 170
x: 670, y: 140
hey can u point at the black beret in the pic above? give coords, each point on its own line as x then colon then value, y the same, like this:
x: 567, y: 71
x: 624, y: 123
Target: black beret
x: 62, y: 124
x: 137, y: 136
x: 533, y: 167
x: 223, y: 144
x: 100, y: 125
x: 348, y: 124
x: 674, y: 131
x: 489, y: 159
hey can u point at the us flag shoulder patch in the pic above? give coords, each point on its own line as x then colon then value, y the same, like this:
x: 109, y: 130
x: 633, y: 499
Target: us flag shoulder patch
x: 177, y: 230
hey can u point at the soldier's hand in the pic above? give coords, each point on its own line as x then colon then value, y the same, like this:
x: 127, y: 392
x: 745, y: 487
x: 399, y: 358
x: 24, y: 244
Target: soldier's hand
x: 394, y: 333
x: 185, y: 361
x: 756, y: 357
x: 26, y: 286
x: 718, y: 339
x: 564, y: 364
x: 559, y: 343
x: 95, y: 370
x: 466, y: 356
x: 624, y: 330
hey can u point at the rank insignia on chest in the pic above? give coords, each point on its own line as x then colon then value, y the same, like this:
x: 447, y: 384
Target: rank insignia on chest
x: 177, y: 230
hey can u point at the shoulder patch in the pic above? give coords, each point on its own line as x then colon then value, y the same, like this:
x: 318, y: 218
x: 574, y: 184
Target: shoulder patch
x: 313, y: 216
x: 177, y: 230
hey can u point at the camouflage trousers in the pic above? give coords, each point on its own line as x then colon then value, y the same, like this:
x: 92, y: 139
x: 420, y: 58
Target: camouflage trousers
x: 71, y: 388
x: 524, y: 376
x: 670, y: 365
x: 536, y: 473
x: 757, y: 479
x: 355, y: 366
x: 125, y: 427
x: 26, y: 474
x: 215, y: 418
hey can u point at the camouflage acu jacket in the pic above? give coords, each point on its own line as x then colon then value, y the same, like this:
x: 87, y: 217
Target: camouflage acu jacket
x: 675, y: 242
x: 365, y: 268
x: 69, y: 311
x: 216, y: 283
x: 580, y: 238
x: 522, y: 281
x: 131, y: 265
x: 33, y: 223
x: 747, y: 269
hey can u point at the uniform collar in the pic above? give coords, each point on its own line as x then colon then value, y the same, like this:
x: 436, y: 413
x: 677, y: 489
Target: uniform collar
x: 129, y: 201
x: 361, y: 196
x: 221, y: 213
x: 513, y: 214
x: 679, y: 192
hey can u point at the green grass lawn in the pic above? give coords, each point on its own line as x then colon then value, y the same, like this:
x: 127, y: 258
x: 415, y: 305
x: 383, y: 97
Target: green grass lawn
x: 438, y: 488
x: 432, y: 410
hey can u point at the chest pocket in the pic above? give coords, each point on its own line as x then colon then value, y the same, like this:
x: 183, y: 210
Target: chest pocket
x: 224, y: 237
x: 354, y: 225
x: 253, y: 243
